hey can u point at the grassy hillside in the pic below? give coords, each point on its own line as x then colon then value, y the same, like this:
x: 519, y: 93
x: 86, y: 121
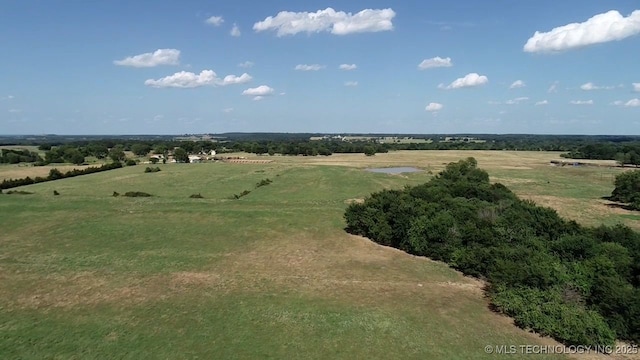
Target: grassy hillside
x: 271, y: 275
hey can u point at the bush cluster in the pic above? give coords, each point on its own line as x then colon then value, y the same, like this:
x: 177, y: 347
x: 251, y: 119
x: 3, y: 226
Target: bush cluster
x: 244, y: 193
x: 136, y: 194
x: 19, y: 192
x: 264, y: 182
x: 55, y: 174
x: 579, y: 285
x: 627, y: 189
x: 151, y: 169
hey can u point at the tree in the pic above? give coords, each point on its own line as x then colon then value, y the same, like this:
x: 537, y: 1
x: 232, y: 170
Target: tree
x: 140, y: 149
x: 627, y: 188
x: 117, y: 154
x: 369, y: 150
x: 181, y: 155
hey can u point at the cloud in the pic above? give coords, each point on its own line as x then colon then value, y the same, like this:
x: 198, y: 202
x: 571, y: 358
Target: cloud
x: 259, y: 92
x: 601, y: 28
x: 517, y: 84
x: 553, y: 88
x: 434, y: 107
x: 184, y: 79
x: 158, y: 57
x: 215, y: 20
x: 632, y: 103
x: 581, y: 102
x: 227, y: 110
x: 232, y: 79
x: 636, y: 87
x: 15, y: 111
x: 312, y: 67
x: 246, y: 64
x: 516, y: 101
x: 543, y: 102
x: 335, y: 22
x: 347, y: 67
x: 351, y: 83
x: 591, y: 86
x: 470, y: 80
x: 235, y: 30
x: 435, y: 62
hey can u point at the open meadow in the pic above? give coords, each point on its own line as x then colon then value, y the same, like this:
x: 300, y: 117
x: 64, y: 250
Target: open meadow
x: 272, y: 274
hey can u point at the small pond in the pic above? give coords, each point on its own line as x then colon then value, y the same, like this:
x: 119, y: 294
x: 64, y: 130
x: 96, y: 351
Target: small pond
x: 394, y: 170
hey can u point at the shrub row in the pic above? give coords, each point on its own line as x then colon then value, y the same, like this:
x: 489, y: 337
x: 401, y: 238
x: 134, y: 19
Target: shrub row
x: 579, y: 285
x: 55, y: 174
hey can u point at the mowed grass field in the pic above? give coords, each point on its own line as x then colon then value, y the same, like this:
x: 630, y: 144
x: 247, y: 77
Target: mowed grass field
x: 271, y: 275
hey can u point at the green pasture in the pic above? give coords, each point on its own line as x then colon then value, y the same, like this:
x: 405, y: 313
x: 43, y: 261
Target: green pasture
x: 87, y: 275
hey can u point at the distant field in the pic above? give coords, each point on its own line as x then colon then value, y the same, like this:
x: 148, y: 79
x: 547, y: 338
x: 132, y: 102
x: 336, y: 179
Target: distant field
x: 271, y: 275
x: 18, y: 171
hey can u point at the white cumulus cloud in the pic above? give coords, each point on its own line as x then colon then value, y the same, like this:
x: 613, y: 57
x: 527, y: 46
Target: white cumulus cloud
x: 335, y: 22
x: 312, y: 67
x: 543, y: 102
x: 601, y: 28
x: 351, y: 83
x: 517, y: 84
x: 469, y: 80
x: 516, y: 101
x: 235, y: 30
x: 215, y: 20
x: 259, y: 92
x: 347, y: 67
x: 434, y: 106
x: 581, y: 102
x: 435, y: 62
x: 232, y: 79
x: 591, y: 86
x: 636, y: 87
x: 227, y: 110
x: 246, y: 64
x: 158, y: 57
x: 185, y: 79
x: 632, y: 103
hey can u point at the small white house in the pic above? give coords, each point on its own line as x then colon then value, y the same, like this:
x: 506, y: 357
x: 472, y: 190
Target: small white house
x: 195, y: 159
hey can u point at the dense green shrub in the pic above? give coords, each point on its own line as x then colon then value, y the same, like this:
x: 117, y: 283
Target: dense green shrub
x: 136, y: 194
x: 151, y: 169
x: 579, y: 285
x: 19, y: 192
x: 264, y: 182
x: 627, y: 189
x: 243, y: 193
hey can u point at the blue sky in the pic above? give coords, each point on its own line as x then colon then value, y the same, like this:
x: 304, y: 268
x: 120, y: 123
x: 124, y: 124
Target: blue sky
x: 174, y: 67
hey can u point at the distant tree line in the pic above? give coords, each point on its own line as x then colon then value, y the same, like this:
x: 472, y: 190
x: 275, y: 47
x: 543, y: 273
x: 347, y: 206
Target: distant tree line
x: 16, y: 156
x: 625, y: 153
x: 577, y: 284
x: 624, y: 149
x: 55, y: 174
